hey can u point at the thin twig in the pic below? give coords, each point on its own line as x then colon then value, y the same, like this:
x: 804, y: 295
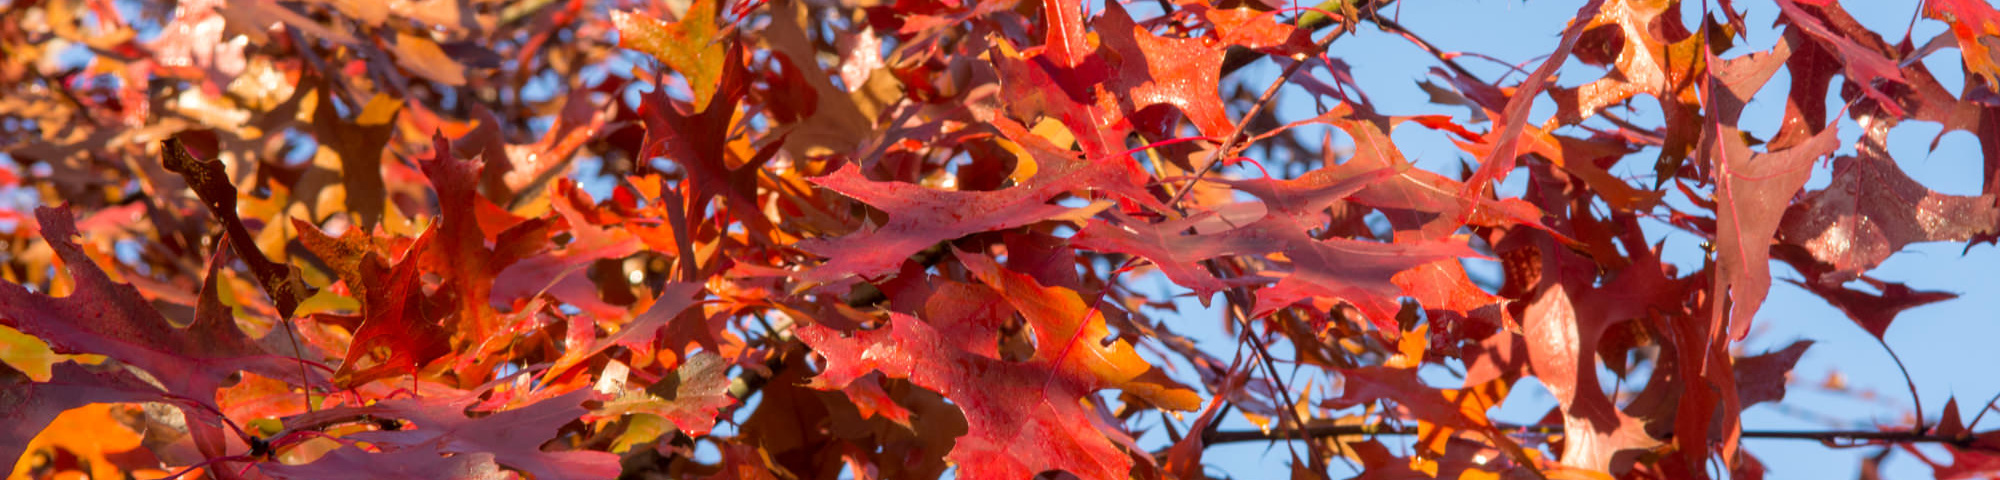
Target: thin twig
x: 1982, y: 410
x: 1915, y: 400
x: 1824, y: 436
x: 1391, y: 25
x: 1215, y: 156
x: 1238, y: 297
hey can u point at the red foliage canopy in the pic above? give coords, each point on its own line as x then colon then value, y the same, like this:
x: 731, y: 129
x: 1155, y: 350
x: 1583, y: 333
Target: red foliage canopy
x: 573, y: 239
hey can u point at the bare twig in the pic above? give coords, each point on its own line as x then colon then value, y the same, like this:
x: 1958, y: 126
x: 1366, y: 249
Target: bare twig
x: 1915, y: 400
x: 1823, y: 436
x: 1237, y: 134
x: 1987, y: 407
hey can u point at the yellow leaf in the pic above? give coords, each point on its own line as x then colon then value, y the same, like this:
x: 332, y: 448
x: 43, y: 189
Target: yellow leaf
x: 423, y: 57
x: 691, y: 47
x: 89, y: 433
x: 381, y: 109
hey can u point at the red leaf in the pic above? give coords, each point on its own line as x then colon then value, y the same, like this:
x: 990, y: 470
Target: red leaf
x: 700, y: 388
x: 113, y: 319
x: 1762, y: 378
x: 666, y: 311
x: 1359, y: 272
x: 1255, y: 29
x: 562, y: 274
x: 1875, y: 312
x: 511, y: 437
x: 1308, y: 196
x: 1497, y: 165
x: 1972, y: 21
x: 1562, y: 328
x: 920, y: 216
x: 1751, y: 189
x: 1023, y: 418
x: 1871, y: 210
x: 699, y: 143
x: 1177, y: 256
x: 872, y: 401
x: 28, y: 406
x: 1561, y: 342
x: 1153, y: 70
x: 1448, y: 295
x: 409, y: 463
x: 393, y: 319
x: 1371, y: 383
x: 1414, y: 199
x: 1950, y: 424
x: 460, y: 254
x: 1863, y: 66
x: 1065, y: 45
x: 1070, y: 333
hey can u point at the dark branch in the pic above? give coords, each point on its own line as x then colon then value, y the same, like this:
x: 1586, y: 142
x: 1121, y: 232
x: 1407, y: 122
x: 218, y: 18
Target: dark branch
x: 1823, y: 436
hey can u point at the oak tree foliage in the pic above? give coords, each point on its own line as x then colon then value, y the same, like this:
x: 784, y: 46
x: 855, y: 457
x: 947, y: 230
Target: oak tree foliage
x: 581, y: 239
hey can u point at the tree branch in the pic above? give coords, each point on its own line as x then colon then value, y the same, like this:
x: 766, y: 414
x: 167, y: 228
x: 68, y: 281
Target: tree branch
x: 1823, y: 436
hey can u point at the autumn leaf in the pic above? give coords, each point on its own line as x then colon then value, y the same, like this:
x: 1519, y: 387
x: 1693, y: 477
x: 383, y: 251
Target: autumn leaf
x: 1749, y: 194
x: 562, y: 274
x: 1875, y: 311
x: 405, y: 463
x: 1762, y: 378
x: 211, y: 182
x: 1862, y: 65
x: 1561, y: 339
x: 190, y: 362
x: 1154, y: 70
x: 666, y: 312
x: 361, y: 148
x: 1178, y: 256
x: 459, y: 252
x: 920, y: 216
x: 1871, y: 210
x: 1498, y: 164
x: 396, y: 332
x: 1358, y: 272
x: 1972, y: 23
x: 443, y: 434
x: 918, y: 238
x: 1008, y: 438
x: 693, y: 47
x: 30, y: 406
x: 1069, y: 331
x: 690, y: 398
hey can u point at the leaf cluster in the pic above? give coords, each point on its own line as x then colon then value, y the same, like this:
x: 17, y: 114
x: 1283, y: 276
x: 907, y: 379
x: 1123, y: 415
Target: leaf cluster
x: 780, y: 239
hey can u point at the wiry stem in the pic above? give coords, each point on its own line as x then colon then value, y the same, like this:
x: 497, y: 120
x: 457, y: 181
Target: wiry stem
x: 1922, y: 426
x: 1236, y: 137
x: 1823, y: 436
